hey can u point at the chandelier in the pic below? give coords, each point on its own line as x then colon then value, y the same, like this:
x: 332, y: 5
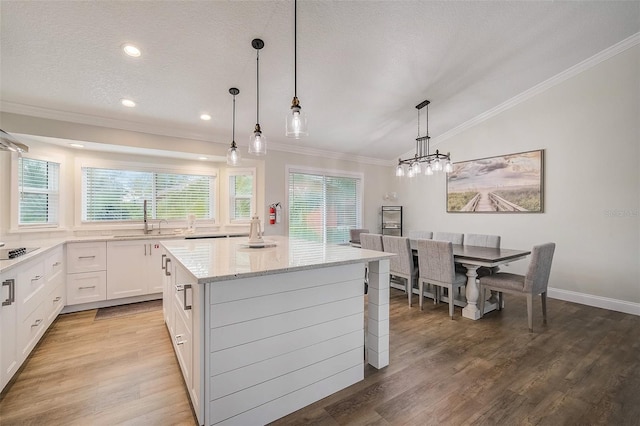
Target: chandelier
x: 434, y: 162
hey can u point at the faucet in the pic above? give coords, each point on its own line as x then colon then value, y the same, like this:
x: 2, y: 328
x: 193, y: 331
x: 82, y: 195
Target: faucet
x: 146, y: 224
x: 160, y: 225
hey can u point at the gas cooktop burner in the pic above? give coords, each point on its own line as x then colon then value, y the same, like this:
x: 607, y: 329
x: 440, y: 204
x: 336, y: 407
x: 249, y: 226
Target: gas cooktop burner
x: 7, y: 254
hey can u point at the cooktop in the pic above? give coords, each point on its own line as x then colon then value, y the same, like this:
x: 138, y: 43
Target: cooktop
x: 12, y: 253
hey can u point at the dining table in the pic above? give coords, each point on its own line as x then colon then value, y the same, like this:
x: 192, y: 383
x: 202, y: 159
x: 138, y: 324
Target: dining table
x: 472, y: 258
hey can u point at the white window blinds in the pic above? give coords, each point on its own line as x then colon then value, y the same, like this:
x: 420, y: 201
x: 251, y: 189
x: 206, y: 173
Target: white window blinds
x: 323, y: 207
x: 240, y: 197
x: 38, y: 182
x: 118, y: 195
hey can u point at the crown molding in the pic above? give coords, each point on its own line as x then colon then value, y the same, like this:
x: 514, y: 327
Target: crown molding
x: 588, y: 63
x: 314, y: 152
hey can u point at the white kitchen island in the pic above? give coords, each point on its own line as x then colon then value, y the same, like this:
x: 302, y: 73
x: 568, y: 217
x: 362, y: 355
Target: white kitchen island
x: 262, y: 332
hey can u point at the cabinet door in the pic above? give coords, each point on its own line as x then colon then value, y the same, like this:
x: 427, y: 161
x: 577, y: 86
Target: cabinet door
x: 9, y: 355
x: 127, y: 268
x: 155, y: 273
x: 86, y: 287
x: 167, y: 295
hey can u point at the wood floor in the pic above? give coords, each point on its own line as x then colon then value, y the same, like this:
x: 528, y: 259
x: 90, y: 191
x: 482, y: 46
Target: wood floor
x: 583, y: 368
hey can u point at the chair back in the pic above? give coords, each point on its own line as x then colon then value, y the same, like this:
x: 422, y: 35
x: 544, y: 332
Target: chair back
x: 454, y: 237
x: 482, y: 240
x: 354, y: 234
x: 420, y: 235
x: 371, y: 241
x: 435, y: 260
x: 403, y: 262
x: 537, y: 277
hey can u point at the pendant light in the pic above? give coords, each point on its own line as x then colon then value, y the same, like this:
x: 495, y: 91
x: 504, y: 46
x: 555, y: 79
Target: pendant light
x: 296, y: 119
x: 257, y: 140
x: 233, y: 156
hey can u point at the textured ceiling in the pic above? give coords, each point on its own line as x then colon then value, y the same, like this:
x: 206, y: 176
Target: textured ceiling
x: 362, y: 65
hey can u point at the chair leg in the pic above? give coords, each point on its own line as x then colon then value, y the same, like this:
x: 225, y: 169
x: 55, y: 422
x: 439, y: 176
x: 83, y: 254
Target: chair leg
x: 410, y: 290
x: 421, y: 295
x: 483, y: 296
x: 450, y: 301
x: 500, y: 301
x: 530, y: 311
x: 543, y: 297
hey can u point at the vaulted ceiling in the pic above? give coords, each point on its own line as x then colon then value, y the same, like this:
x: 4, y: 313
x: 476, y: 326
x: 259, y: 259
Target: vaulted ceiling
x: 362, y: 65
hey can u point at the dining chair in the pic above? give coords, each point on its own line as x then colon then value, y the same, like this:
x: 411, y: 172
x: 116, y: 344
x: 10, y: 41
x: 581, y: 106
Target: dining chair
x: 533, y: 283
x: 401, y: 265
x: 436, y: 266
x: 420, y: 235
x: 354, y: 235
x: 482, y: 240
x: 454, y: 237
x: 369, y: 242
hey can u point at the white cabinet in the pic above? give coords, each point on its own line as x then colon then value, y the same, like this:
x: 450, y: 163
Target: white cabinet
x: 9, y: 355
x: 133, y: 268
x: 86, y: 272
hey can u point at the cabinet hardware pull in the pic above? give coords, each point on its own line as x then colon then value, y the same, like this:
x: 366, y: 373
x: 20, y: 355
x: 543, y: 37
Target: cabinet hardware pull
x: 167, y: 272
x: 37, y: 323
x: 145, y: 249
x: 56, y: 264
x: 36, y: 278
x: 83, y: 288
x: 12, y: 291
x: 179, y: 340
x: 57, y: 299
x: 179, y: 287
x: 86, y: 257
x: 184, y: 297
x: 162, y: 262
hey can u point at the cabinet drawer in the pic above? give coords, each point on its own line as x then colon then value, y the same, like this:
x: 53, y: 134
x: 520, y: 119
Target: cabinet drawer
x: 86, y: 287
x: 30, y: 289
x: 86, y: 257
x: 183, y: 346
x: 54, y: 302
x: 54, y: 267
x: 31, y: 329
x: 178, y: 306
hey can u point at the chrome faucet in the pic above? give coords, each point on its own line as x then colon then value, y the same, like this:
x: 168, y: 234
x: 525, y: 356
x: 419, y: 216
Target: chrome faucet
x: 160, y: 225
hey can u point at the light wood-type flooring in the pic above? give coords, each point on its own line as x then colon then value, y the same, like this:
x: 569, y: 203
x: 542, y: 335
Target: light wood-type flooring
x: 583, y: 368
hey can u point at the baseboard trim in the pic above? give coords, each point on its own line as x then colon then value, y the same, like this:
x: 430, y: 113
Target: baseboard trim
x: 596, y: 301
x: 107, y: 303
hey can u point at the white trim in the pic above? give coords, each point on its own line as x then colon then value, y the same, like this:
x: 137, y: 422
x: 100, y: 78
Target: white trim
x: 596, y: 301
x: 314, y: 152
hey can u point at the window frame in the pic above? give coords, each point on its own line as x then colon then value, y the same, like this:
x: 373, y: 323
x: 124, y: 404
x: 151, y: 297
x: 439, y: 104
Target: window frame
x: 322, y: 172
x: 247, y: 171
x: 82, y: 162
x: 15, y: 225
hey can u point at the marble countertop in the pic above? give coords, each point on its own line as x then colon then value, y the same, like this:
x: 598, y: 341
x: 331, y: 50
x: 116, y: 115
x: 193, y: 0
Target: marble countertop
x: 230, y: 258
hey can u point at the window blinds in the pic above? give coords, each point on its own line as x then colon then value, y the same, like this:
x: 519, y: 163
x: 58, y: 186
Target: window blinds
x: 241, y: 195
x: 38, y: 191
x: 323, y: 208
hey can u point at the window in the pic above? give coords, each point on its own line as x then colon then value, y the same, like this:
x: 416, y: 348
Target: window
x: 324, y: 206
x: 240, y: 196
x: 118, y: 195
x: 38, y: 192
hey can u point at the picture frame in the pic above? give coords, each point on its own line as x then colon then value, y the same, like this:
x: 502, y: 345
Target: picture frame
x: 510, y: 183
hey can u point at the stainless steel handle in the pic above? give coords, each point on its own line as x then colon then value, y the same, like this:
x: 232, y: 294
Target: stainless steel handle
x: 179, y: 287
x: 86, y: 257
x: 162, y: 262
x: 12, y: 291
x: 167, y: 272
x: 145, y: 249
x: 149, y: 249
x: 36, y: 278
x: 57, y: 299
x: 56, y: 264
x: 86, y: 287
x: 179, y: 340
x: 184, y: 297
x: 37, y: 323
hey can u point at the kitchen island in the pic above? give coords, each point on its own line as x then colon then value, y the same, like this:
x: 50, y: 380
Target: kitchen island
x: 262, y: 332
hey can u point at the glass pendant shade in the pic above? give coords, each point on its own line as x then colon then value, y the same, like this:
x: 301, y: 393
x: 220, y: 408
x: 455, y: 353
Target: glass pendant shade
x: 448, y: 168
x: 257, y: 142
x: 437, y: 165
x: 417, y: 169
x: 429, y: 170
x: 399, y: 171
x: 296, y: 123
x: 233, y: 156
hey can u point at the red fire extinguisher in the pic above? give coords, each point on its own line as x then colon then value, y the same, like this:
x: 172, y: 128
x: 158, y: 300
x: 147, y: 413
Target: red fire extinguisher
x: 272, y: 214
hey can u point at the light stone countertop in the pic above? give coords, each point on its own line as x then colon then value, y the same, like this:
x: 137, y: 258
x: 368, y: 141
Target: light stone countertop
x: 224, y: 259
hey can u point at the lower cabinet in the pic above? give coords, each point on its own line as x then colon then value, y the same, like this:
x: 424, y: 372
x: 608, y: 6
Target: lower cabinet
x: 133, y: 268
x: 9, y: 353
x: 86, y: 287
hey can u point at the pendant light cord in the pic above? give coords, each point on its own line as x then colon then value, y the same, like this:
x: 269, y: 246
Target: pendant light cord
x: 257, y: 86
x: 233, y: 133
x: 295, y: 48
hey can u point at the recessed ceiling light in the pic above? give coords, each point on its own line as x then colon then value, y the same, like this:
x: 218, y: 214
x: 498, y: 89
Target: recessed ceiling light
x: 202, y: 158
x: 131, y: 50
x: 205, y: 117
x: 128, y: 103
x: 76, y: 145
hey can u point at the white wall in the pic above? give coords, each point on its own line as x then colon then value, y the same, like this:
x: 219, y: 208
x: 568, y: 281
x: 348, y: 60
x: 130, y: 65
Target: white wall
x: 589, y: 127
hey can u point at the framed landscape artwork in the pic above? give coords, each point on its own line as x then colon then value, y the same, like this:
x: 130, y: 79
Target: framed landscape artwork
x: 510, y: 183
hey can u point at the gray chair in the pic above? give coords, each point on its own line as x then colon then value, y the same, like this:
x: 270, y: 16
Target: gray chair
x: 454, y: 237
x: 369, y: 242
x: 401, y: 265
x: 436, y: 266
x: 532, y: 284
x: 420, y: 235
x: 482, y: 240
x: 354, y: 235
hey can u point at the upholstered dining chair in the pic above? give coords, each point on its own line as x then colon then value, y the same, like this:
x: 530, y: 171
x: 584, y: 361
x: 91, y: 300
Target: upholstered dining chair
x: 532, y: 284
x: 454, y: 237
x: 436, y: 266
x: 369, y: 242
x: 354, y: 235
x: 482, y: 240
x: 420, y: 235
x: 401, y: 265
